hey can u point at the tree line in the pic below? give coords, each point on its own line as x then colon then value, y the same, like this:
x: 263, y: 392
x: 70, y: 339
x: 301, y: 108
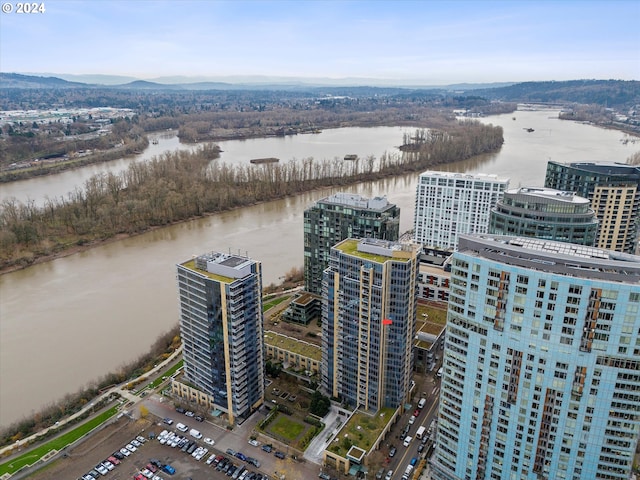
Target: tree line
x: 181, y: 185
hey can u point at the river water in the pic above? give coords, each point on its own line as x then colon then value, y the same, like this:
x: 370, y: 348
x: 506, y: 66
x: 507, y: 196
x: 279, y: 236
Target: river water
x: 69, y: 321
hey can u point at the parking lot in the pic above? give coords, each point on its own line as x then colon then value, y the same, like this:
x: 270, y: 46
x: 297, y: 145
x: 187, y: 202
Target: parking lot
x: 79, y: 460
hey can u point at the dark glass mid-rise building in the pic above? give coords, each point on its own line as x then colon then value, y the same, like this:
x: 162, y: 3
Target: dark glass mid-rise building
x: 544, y: 213
x: 221, y: 325
x: 338, y: 217
x: 614, y: 192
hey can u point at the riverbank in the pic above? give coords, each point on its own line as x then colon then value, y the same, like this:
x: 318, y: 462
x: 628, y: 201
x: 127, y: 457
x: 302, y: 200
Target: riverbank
x: 183, y: 186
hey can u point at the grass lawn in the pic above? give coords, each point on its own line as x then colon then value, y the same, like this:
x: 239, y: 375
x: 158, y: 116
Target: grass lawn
x: 168, y: 373
x: 266, y: 305
x: 32, y: 456
x: 286, y: 428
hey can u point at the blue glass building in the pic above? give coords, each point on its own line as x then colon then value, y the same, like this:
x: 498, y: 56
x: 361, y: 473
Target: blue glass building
x: 541, y: 371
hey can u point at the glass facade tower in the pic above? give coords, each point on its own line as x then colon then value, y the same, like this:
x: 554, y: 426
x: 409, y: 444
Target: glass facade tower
x: 541, y: 370
x: 544, y: 213
x: 221, y: 325
x: 368, y: 322
x: 337, y: 218
x: 614, y: 192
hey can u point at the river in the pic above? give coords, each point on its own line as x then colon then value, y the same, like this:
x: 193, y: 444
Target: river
x: 71, y: 320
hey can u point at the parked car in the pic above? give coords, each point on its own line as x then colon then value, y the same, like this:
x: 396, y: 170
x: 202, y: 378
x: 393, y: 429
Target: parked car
x: 280, y: 455
x: 241, y: 456
x: 209, y: 441
x: 168, y: 421
x: 254, y: 442
x: 199, y: 418
x: 267, y: 448
x: 108, y: 465
x: 169, y: 469
x: 392, y: 451
x: 190, y: 414
x: 231, y: 452
x: 180, y: 410
x: 388, y: 475
x: 125, y: 452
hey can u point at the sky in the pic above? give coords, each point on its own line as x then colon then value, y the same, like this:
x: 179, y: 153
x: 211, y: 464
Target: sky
x: 428, y: 42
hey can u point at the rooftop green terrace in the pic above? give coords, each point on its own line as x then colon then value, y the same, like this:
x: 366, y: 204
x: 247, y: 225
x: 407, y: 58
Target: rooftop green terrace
x: 350, y: 247
x: 362, y: 430
x: 191, y: 265
x: 293, y: 345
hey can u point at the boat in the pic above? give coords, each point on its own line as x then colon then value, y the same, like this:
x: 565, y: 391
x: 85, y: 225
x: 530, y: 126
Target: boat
x: 259, y: 161
x: 351, y: 157
x: 529, y: 129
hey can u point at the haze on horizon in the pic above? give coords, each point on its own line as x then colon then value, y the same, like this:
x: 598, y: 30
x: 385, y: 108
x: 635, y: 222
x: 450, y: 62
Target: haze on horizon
x: 405, y: 42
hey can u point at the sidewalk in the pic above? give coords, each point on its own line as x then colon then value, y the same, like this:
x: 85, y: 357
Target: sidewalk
x: 128, y: 396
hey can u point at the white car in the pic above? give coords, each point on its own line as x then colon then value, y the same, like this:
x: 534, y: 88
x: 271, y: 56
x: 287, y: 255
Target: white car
x: 202, y: 453
x: 147, y: 473
x: 253, y: 442
x: 211, y: 459
x: 108, y: 465
x: 190, y: 414
x: 130, y: 447
x: 209, y: 441
x: 388, y: 475
x: 101, y: 469
x: 141, y: 439
x: 125, y: 452
x: 412, y: 419
x: 157, y: 477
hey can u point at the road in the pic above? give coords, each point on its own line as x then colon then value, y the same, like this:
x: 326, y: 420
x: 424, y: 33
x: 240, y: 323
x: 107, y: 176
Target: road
x: 428, y: 386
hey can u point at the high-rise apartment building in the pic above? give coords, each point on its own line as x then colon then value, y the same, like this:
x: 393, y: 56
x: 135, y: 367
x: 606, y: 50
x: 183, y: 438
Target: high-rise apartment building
x: 614, y: 192
x: 338, y: 217
x: 368, y: 322
x: 544, y: 213
x: 222, y: 331
x: 541, y: 370
x: 450, y: 204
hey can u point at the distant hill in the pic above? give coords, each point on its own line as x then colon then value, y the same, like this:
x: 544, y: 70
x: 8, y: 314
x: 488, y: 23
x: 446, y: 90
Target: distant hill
x: 616, y: 94
x: 608, y: 93
x: 16, y: 80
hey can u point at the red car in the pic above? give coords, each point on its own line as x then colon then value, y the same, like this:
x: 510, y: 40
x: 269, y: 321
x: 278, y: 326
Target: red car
x: 416, y: 413
x: 151, y: 467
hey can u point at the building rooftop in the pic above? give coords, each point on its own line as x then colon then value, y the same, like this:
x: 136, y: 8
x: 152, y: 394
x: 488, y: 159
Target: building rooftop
x: 554, y: 257
x: 221, y: 266
x: 357, y: 201
x: 548, y: 193
x: 465, y: 176
x: 376, y: 250
x: 361, y: 430
x: 293, y: 345
x: 191, y: 265
x: 609, y: 168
